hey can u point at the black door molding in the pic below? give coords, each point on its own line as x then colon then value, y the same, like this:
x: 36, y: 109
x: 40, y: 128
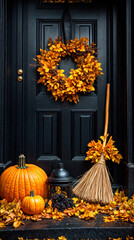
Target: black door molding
x: 4, y: 120
x: 129, y: 94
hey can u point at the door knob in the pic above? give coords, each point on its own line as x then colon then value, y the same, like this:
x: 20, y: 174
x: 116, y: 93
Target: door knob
x: 20, y: 78
x: 20, y: 71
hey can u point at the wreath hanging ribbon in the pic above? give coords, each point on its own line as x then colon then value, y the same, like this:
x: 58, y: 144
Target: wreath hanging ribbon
x: 80, y: 79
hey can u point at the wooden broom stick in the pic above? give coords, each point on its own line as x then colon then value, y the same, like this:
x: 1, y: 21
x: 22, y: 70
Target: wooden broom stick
x: 106, y: 114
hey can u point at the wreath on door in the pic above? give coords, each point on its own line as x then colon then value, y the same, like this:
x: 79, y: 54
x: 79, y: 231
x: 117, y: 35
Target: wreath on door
x: 80, y: 80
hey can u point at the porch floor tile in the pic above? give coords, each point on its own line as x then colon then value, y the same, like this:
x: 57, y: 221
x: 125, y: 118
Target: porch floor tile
x: 72, y: 228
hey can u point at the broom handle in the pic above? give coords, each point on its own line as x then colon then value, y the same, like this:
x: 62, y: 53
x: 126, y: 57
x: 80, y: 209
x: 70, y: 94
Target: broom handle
x: 106, y: 113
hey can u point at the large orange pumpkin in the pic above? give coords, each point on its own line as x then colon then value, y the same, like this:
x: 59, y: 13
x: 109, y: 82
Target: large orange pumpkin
x: 17, y: 181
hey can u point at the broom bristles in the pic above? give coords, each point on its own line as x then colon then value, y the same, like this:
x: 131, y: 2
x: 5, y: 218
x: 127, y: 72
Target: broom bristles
x: 94, y: 185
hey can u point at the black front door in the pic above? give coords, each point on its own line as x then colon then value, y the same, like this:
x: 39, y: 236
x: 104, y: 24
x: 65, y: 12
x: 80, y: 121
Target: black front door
x: 49, y: 130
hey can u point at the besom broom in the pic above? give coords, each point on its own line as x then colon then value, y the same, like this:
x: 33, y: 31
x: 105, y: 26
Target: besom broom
x: 95, y: 185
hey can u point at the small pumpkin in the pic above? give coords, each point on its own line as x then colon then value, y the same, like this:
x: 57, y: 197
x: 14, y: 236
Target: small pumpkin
x: 17, y: 181
x: 33, y: 204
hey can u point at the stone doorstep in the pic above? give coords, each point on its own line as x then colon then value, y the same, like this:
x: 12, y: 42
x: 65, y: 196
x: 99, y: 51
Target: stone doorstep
x: 72, y: 228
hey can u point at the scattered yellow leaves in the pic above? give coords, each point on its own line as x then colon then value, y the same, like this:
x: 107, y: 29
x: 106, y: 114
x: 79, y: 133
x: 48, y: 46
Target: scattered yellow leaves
x: 81, y: 79
x: 59, y: 238
x: 96, y: 149
x: 69, y: 1
x: 127, y: 238
x: 121, y: 208
x: 10, y: 213
x: 63, y: 238
x: 2, y: 225
x: 17, y: 223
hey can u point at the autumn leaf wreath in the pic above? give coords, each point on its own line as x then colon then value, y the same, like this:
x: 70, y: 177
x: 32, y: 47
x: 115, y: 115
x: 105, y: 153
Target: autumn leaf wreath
x: 80, y: 79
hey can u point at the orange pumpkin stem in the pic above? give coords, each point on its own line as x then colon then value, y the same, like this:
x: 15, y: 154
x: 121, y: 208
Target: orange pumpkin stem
x: 31, y: 193
x: 22, y: 163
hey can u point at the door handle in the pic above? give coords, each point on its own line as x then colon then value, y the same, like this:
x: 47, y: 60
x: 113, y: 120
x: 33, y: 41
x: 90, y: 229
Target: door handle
x: 20, y: 78
x: 20, y: 73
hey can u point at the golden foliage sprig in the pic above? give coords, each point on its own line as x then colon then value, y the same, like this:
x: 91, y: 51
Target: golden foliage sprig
x: 96, y: 149
x: 80, y: 79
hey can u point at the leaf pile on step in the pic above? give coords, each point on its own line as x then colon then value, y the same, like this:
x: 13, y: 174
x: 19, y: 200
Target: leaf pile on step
x: 121, y: 208
x: 59, y: 238
x: 63, y: 238
x: 10, y: 213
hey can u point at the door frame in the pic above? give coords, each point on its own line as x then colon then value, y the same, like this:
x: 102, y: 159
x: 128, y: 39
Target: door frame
x: 11, y: 119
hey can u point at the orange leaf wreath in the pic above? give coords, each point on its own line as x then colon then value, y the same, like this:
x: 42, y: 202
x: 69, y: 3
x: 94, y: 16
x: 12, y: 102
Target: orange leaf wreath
x: 80, y: 79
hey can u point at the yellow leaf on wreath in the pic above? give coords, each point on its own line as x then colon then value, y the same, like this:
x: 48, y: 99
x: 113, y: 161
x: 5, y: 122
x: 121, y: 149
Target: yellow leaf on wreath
x: 81, y: 48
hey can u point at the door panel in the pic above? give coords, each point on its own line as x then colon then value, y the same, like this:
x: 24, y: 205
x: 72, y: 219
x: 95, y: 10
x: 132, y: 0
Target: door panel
x: 85, y: 28
x: 47, y: 29
x: 48, y: 137
x: 83, y: 132
x: 56, y: 130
